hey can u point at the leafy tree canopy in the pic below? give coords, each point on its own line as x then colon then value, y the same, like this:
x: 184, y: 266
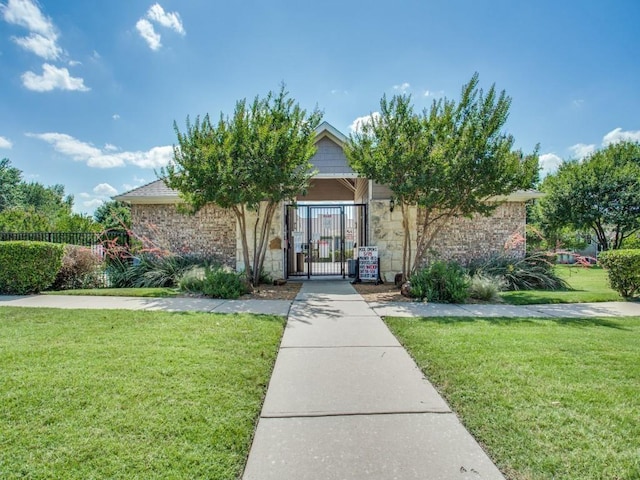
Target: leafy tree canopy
x: 113, y: 215
x: 450, y: 160
x: 34, y: 207
x: 252, y: 160
x: 601, y: 194
x: 10, y: 178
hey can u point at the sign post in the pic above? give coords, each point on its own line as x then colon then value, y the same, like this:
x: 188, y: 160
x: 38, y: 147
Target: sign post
x: 368, y: 265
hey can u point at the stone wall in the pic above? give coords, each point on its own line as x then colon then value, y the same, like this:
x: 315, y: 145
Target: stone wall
x: 462, y: 239
x: 210, y: 232
x: 465, y: 239
x: 274, y: 257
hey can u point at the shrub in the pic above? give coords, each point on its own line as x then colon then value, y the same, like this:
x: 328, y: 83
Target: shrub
x: 223, y: 283
x: 442, y: 282
x: 533, y: 272
x: 484, y: 287
x: 623, y: 269
x: 193, y: 280
x: 80, y: 269
x: 151, y: 270
x: 28, y: 267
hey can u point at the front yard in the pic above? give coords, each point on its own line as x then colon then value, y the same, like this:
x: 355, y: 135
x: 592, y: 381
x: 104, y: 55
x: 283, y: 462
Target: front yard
x: 128, y: 394
x: 548, y: 399
x: 588, y: 284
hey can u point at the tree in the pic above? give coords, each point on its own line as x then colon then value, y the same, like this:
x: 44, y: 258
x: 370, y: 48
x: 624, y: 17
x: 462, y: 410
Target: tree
x: 113, y: 215
x: 601, y: 194
x: 249, y: 162
x: 23, y: 220
x: 449, y: 161
x: 10, y: 179
x: 33, y: 207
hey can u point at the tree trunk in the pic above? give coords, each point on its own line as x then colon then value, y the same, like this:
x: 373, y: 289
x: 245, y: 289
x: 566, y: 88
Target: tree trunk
x: 242, y: 223
x: 406, y: 243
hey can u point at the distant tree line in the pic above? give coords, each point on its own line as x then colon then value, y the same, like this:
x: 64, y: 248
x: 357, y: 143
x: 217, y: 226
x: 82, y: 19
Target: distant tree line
x: 34, y: 207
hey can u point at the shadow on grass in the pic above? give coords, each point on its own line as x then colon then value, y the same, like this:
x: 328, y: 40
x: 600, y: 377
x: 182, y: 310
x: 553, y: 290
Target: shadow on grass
x: 510, y: 321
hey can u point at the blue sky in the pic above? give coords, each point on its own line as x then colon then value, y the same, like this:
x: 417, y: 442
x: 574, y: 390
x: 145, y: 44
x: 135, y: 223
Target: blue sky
x: 90, y: 90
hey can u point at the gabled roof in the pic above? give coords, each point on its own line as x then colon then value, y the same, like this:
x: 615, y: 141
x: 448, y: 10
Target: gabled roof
x: 325, y: 129
x: 157, y: 192
x: 154, y: 192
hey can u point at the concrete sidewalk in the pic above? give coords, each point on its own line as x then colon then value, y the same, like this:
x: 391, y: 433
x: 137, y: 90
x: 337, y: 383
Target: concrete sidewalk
x: 177, y: 304
x: 346, y: 401
x: 561, y: 310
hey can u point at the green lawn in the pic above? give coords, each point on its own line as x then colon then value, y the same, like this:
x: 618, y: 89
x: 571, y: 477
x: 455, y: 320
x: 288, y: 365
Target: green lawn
x: 587, y: 284
x: 124, y: 394
x: 549, y: 399
x: 120, y: 292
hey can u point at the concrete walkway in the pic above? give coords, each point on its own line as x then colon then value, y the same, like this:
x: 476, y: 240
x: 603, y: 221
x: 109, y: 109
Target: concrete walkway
x: 346, y: 401
x: 178, y: 304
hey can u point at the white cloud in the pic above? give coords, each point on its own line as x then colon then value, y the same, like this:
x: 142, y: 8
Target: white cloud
x: 74, y: 63
x: 53, y: 77
x: 356, y: 125
x: 69, y: 146
x: 157, y: 14
x: 93, y: 204
x: 581, y: 150
x: 618, y: 135
x: 80, y: 151
x: 115, y: 116
x: 549, y: 163
x: 431, y: 93
x: 403, y: 87
x: 148, y: 33
x: 45, y: 47
x: 105, y: 190
x: 27, y: 14
x: 108, y: 147
x: 5, y: 143
x: 170, y: 20
x: 577, y: 103
x: 138, y: 181
x: 42, y: 38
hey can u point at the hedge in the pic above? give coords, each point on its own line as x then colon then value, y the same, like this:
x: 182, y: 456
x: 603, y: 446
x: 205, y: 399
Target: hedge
x: 28, y: 267
x: 623, y: 267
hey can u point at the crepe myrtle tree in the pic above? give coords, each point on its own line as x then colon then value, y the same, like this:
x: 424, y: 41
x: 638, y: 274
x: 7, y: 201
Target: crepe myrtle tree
x: 449, y: 161
x: 601, y: 194
x: 249, y: 162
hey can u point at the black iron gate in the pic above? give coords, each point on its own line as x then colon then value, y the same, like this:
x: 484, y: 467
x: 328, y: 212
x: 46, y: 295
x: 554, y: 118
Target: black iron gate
x: 323, y: 239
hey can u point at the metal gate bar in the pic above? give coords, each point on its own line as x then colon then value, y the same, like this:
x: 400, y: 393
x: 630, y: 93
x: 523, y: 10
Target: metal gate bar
x: 321, y: 239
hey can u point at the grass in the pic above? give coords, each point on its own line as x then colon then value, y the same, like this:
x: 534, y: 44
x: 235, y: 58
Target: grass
x: 124, y: 394
x: 120, y: 292
x: 547, y: 398
x: 587, y: 284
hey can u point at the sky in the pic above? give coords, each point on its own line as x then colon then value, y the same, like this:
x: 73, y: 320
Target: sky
x: 90, y: 90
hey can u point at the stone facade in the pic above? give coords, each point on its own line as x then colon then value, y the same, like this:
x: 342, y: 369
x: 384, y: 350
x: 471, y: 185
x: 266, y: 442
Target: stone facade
x: 462, y: 239
x: 274, y: 257
x: 465, y: 239
x: 210, y: 232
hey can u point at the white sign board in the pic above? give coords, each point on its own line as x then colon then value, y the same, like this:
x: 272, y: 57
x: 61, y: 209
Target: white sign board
x: 368, y: 263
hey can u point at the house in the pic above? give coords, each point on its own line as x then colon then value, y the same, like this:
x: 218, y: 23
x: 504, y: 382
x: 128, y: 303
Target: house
x: 319, y: 234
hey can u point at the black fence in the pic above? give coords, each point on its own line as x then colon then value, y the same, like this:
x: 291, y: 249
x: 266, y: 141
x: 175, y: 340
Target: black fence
x: 73, y: 238
x: 99, y: 243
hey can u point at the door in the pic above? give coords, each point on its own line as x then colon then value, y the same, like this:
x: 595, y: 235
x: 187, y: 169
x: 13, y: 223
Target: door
x: 321, y: 239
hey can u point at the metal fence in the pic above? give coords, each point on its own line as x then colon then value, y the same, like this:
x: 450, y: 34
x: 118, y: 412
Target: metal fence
x: 86, y: 239
x: 99, y: 243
